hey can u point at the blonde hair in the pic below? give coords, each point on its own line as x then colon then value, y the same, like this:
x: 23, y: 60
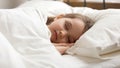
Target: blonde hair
x: 87, y: 21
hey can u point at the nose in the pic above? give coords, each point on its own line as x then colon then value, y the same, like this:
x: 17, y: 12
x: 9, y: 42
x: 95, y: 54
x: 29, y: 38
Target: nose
x: 62, y: 34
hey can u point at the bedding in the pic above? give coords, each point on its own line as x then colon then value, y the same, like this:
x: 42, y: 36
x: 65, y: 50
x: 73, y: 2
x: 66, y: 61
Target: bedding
x: 8, y: 56
x: 50, y: 8
x: 103, y: 37
x: 24, y: 38
x: 28, y: 40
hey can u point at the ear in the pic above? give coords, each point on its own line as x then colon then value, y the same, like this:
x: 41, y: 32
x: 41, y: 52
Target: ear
x: 59, y: 16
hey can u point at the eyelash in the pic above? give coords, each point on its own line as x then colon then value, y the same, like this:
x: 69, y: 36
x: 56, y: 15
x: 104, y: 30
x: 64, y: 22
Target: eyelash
x: 66, y: 26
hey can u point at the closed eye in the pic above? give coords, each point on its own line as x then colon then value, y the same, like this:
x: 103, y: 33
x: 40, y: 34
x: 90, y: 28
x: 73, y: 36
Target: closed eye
x: 68, y: 25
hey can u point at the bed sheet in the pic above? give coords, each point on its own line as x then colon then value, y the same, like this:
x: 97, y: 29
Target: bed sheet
x: 87, y: 62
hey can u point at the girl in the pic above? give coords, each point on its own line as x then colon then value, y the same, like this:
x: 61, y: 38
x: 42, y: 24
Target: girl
x: 66, y: 29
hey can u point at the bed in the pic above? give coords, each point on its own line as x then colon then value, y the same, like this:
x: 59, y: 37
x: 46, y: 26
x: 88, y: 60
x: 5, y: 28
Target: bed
x: 24, y: 45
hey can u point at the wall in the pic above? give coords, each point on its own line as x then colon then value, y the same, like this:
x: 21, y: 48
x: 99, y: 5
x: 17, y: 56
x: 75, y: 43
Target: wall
x: 7, y: 4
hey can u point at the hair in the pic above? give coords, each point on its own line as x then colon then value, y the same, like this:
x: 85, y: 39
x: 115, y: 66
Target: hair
x: 87, y: 21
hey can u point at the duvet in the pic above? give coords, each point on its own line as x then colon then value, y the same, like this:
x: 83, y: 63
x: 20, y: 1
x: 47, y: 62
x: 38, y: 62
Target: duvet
x: 24, y: 40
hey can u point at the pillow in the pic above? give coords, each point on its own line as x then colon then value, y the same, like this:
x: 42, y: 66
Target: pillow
x: 50, y: 8
x: 102, y: 38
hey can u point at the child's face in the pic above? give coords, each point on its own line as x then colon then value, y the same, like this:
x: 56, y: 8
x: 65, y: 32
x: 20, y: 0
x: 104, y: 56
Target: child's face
x: 66, y: 30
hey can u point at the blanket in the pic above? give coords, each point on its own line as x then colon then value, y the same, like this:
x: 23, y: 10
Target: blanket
x: 24, y: 41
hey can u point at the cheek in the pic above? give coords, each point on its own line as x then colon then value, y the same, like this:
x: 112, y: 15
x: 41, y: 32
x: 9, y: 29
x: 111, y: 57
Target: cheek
x: 58, y: 26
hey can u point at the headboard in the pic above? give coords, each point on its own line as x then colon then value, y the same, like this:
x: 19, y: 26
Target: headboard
x: 96, y: 4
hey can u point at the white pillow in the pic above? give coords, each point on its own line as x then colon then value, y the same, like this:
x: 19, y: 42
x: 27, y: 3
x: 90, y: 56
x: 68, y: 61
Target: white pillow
x: 102, y: 38
x: 50, y: 8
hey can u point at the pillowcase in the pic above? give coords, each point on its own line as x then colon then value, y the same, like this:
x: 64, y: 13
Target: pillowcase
x: 50, y: 8
x: 102, y: 38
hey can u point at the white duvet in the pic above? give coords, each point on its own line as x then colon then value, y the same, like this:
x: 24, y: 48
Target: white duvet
x: 24, y: 41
